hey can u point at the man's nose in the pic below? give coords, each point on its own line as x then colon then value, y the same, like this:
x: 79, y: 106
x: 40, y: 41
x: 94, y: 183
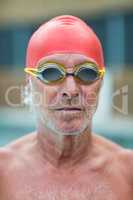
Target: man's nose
x: 70, y: 88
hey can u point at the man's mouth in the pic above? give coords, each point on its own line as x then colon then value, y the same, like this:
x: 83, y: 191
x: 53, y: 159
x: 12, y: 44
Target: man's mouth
x: 68, y: 113
x: 69, y: 109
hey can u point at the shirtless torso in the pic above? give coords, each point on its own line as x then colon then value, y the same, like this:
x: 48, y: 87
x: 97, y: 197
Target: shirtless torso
x: 25, y: 176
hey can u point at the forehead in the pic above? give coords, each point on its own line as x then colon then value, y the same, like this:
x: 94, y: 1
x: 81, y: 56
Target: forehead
x: 68, y: 59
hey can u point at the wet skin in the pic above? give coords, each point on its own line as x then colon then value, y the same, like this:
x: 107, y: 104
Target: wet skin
x: 47, y: 166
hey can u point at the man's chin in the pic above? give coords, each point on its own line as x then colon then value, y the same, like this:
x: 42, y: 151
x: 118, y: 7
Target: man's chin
x: 68, y: 131
x: 69, y: 128
x: 62, y: 127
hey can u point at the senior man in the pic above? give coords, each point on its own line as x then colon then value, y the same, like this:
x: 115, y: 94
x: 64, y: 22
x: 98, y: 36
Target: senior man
x: 63, y: 159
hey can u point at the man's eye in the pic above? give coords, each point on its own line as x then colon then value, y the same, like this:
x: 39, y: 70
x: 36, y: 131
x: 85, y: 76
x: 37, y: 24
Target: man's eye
x: 87, y: 74
x: 51, y: 74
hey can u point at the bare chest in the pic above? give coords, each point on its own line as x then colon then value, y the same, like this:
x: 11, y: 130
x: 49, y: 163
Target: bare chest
x: 84, y: 187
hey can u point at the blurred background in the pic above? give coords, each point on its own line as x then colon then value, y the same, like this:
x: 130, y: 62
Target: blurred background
x: 111, y: 20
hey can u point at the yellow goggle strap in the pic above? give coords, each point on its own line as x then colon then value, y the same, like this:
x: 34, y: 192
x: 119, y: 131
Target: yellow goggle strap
x: 101, y: 72
x: 31, y: 71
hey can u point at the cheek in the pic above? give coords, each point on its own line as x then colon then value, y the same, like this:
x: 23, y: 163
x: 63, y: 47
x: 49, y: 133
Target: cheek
x: 90, y: 94
x: 45, y: 94
x: 90, y: 98
x: 50, y: 96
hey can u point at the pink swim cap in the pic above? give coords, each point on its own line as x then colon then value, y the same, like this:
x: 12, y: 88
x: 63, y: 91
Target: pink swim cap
x: 64, y: 34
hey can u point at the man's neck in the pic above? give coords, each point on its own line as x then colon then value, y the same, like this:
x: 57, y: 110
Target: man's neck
x: 64, y: 151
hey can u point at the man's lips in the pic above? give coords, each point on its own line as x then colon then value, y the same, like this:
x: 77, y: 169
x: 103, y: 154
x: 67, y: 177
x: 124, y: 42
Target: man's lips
x: 69, y: 109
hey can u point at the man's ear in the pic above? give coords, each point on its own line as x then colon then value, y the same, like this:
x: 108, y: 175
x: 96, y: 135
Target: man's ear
x: 99, y: 85
x: 27, y: 91
x: 102, y: 82
x: 27, y: 78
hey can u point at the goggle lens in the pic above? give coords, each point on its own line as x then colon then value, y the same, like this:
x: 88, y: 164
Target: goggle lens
x: 51, y: 74
x: 86, y: 74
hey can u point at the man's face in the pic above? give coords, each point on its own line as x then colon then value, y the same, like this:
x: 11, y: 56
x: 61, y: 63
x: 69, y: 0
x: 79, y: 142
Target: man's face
x: 66, y: 107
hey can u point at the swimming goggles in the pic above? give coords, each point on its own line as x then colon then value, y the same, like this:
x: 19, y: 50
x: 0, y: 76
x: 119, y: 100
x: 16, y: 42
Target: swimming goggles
x: 52, y: 72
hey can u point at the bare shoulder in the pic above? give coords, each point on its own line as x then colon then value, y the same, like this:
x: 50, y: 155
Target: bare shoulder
x: 122, y: 153
x: 108, y: 145
x: 126, y: 159
x: 10, y: 152
x: 122, y: 156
